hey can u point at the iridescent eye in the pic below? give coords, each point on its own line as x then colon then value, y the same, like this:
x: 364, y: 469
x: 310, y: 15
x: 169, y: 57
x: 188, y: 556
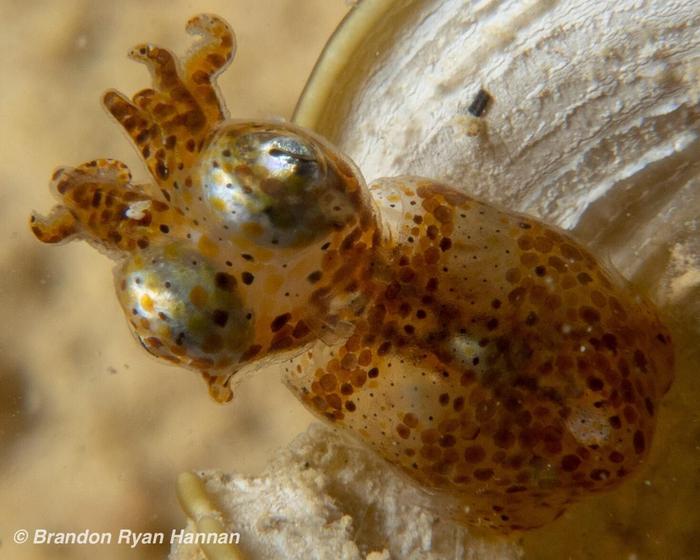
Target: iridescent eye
x: 293, y: 152
x: 272, y: 185
x: 182, y: 309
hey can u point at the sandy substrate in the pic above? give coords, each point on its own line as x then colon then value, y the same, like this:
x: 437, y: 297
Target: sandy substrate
x: 328, y: 497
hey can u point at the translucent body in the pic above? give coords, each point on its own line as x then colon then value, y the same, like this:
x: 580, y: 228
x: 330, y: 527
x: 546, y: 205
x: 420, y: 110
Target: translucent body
x: 495, y: 361
x: 487, y: 355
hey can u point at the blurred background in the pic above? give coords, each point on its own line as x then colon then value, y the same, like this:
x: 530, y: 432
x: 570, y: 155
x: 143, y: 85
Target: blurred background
x: 93, y: 431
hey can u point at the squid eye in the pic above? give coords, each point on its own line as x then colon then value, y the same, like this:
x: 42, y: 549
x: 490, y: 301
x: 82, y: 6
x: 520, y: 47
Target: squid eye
x: 291, y: 149
x: 273, y: 185
x: 291, y: 163
x: 183, y: 310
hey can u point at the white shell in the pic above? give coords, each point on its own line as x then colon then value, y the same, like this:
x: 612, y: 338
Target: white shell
x: 594, y: 105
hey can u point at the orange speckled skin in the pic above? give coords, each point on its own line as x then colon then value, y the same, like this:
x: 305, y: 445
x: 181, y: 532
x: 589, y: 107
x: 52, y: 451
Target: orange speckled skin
x: 487, y: 355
